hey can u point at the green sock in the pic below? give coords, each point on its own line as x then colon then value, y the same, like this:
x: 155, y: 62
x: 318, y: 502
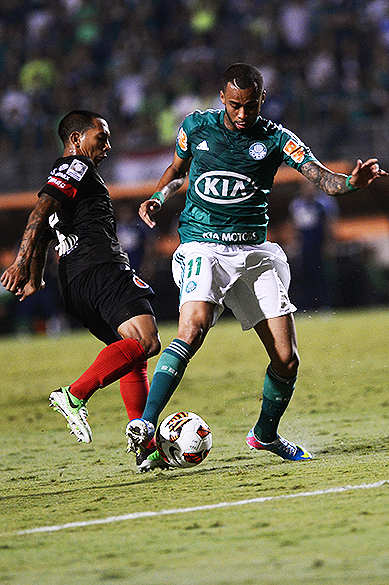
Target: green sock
x: 167, y: 375
x: 277, y: 392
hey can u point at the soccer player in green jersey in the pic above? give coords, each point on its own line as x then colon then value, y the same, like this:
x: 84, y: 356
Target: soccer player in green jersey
x: 232, y: 156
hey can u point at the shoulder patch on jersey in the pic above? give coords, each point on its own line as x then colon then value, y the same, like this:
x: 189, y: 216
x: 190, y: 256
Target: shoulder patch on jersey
x: 139, y: 282
x: 182, y: 140
x: 257, y: 151
x: 77, y: 169
x: 294, y: 150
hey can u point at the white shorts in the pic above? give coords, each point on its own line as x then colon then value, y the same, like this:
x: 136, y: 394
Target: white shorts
x: 253, y: 281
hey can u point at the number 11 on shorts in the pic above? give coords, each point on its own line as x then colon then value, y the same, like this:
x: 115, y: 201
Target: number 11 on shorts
x: 194, y: 266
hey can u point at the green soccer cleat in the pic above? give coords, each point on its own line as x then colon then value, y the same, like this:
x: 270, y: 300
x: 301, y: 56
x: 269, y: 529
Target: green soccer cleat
x: 61, y: 401
x: 153, y: 461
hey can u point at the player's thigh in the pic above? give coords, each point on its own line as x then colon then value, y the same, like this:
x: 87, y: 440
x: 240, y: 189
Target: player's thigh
x: 255, y: 299
x: 199, y: 277
x: 261, y: 291
x: 76, y: 300
x: 105, y: 296
x: 193, y: 268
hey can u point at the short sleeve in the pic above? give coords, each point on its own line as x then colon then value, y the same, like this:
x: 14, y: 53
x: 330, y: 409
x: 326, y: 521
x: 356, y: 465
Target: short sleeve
x: 183, y: 148
x: 64, y: 180
x: 294, y: 152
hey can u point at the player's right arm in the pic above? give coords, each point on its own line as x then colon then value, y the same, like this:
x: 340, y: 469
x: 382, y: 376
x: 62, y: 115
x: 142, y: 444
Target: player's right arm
x: 170, y: 182
x: 37, y: 268
x: 16, y: 277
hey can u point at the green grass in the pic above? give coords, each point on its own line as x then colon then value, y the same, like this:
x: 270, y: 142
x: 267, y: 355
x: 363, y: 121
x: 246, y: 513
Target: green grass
x: 339, y: 412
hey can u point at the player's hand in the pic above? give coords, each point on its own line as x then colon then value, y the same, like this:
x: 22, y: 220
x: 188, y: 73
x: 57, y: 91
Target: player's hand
x: 30, y: 289
x: 365, y: 173
x: 147, y: 209
x: 15, y: 278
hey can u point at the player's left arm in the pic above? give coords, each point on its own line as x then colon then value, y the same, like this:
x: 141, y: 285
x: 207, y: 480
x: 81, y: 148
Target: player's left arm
x: 334, y: 184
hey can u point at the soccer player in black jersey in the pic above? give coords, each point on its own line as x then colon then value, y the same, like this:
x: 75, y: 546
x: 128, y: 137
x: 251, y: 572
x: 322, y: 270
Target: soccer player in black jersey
x: 98, y: 286
x: 232, y: 156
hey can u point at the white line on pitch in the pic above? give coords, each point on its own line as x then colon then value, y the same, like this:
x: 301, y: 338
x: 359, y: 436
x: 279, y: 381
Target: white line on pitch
x: 136, y: 515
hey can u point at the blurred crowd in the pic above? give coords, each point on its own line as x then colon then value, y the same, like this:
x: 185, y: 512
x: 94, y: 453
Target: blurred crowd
x: 144, y: 64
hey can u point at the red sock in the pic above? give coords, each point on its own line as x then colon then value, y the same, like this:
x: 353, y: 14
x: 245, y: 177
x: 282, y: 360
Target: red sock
x: 134, y: 388
x: 113, y: 362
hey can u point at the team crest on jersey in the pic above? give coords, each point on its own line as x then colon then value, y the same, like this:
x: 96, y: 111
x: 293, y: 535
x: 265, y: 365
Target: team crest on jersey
x: 77, y: 170
x: 139, y: 282
x: 258, y: 151
x: 182, y: 139
x: 190, y: 286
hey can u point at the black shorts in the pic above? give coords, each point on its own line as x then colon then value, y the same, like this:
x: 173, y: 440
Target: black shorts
x: 104, y: 296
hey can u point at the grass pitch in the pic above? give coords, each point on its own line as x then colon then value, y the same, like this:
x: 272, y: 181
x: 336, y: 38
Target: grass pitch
x: 311, y: 535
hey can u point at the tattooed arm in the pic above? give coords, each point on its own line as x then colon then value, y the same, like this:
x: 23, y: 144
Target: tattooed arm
x: 29, y: 259
x: 338, y: 183
x: 37, y: 267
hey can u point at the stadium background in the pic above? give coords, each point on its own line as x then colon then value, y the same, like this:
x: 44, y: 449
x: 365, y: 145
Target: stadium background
x: 144, y: 64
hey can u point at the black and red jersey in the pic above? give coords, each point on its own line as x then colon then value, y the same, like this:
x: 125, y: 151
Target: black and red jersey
x: 85, y: 225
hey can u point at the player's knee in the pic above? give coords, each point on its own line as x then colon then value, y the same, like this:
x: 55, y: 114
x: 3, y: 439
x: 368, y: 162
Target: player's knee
x: 152, y: 346
x: 287, y: 365
x: 293, y: 365
x: 193, y: 333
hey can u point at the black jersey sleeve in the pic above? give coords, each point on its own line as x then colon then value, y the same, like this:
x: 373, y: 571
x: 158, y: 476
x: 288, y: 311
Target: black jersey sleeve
x: 64, y: 180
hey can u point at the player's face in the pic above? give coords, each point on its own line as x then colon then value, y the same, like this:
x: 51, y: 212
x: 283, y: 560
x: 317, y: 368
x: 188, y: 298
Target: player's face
x: 94, y: 142
x: 242, y: 106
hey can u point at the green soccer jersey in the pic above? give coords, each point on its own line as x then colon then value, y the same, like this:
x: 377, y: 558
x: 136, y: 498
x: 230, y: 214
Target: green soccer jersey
x: 231, y: 175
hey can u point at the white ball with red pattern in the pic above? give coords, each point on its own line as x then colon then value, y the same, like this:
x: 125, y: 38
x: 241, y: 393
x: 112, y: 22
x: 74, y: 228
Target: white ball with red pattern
x: 183, y: 439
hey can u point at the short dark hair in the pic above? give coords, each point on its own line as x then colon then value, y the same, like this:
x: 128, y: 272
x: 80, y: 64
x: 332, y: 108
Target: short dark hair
x: 76, y: 121
x: 243, y: 76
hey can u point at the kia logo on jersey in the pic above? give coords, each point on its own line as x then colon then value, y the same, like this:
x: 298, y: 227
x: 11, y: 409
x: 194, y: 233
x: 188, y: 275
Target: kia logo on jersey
x: 224, y: 187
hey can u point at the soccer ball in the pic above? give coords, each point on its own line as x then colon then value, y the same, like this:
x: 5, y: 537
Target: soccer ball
x: 183, y: 439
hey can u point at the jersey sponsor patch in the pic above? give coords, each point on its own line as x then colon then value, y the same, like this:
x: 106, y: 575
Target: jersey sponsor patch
x: 65, y: 187
x: 294, y: 150
x: 257, y: 151
x: 224, y: 187
x: 77, y: 169
x: 182, y: 140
